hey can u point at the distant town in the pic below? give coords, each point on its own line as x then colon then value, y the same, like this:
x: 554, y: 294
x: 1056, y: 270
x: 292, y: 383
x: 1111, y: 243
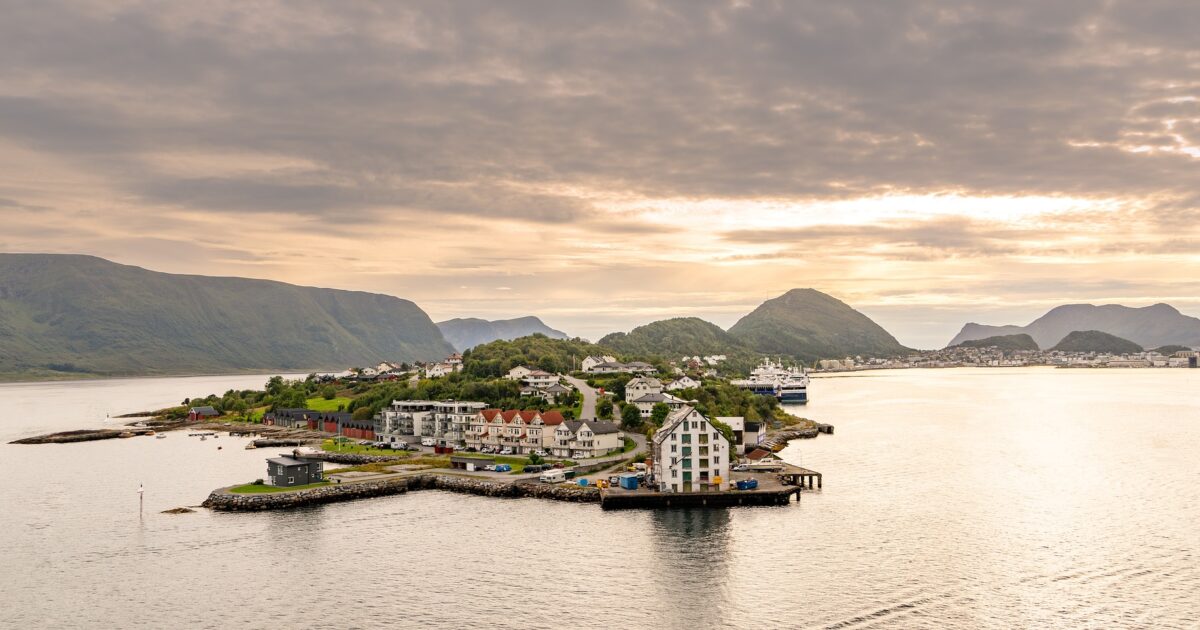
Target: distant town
x: 964, y: 356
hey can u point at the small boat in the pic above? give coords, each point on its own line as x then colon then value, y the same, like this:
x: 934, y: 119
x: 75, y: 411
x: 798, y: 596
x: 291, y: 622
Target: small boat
x: 218, y: 448
x: 250, y: 446
x: 150, y: 432
x: 125, y: 434
x: 160, y: 436
x: 203, y: 437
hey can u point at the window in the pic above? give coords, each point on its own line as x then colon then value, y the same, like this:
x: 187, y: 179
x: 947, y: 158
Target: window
x: 687, y: 476
x: 687, y: 463
x: 687, y: 438
x: 703, y: 438
x: 674, y: 473
x: 716, y: 460
x: 673, y: 448
x: 704, y: 463
x: 704, y: 450
x: 291, y: 480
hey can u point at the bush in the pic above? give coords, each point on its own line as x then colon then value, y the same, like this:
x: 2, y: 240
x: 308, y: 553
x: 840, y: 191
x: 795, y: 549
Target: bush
x: 329, y: 392
x: 258, y: 482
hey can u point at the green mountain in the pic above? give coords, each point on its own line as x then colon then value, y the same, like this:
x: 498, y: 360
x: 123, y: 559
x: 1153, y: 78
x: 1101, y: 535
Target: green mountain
x: 673, y: 338
x: 464, y: 333
x: 1003, y: 342
x: 808, y: 325
x: 79, y: 315
x: 1171, y: 349
x: 1096, y: 341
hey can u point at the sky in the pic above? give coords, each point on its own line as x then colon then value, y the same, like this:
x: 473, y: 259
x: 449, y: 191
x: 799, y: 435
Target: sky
x: 606, y: 164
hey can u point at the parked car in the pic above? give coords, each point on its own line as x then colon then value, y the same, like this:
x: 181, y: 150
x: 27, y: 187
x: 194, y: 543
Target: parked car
x: 614, y: 481
x: 539, y: 452
x: 559, y: 465
x: 741, y: 468
x: 503, y: 468
x: 532, y: 468
x: 506, y: 451
x: 428, y: 442
x: 472, y: 449
x: 364, y: 442
x: 491, y: 467
x: 400, y: 445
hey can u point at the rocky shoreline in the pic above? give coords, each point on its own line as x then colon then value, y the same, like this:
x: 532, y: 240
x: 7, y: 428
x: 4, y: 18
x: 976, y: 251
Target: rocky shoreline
x: 224, y: 501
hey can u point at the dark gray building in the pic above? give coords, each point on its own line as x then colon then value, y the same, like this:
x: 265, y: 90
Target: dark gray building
x: 286, y: 471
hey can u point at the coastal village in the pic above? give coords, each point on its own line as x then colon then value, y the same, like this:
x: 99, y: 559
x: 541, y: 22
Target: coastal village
x: 660, y: 450
x: 993, y: 356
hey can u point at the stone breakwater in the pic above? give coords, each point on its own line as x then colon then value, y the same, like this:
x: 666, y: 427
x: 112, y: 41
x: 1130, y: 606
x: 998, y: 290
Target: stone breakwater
x: 353, y: 459
x: 225, y: 501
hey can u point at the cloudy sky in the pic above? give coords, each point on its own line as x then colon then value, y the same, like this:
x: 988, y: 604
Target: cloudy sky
x: 605, y: 164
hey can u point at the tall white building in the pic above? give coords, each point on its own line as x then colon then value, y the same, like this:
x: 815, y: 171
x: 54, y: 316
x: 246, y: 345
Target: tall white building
x: 690, y: 454
x: 446, y: 419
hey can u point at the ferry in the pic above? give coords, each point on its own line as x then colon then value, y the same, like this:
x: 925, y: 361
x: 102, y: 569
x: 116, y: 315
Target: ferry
x: 772, y: 379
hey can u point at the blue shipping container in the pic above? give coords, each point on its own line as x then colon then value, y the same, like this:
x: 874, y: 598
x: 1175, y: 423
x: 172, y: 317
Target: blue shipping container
x: 629, y: 481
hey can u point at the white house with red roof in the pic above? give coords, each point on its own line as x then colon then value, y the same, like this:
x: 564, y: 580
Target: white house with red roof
x: 523, y: 431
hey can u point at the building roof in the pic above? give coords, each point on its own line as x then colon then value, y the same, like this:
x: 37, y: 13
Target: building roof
x: 600, y: 427
x: 648, y: 381
x: 205, y: 411
x: 761, y: 454
x: 284, y: 460
x: 556, y: 388
x: 657, y: 398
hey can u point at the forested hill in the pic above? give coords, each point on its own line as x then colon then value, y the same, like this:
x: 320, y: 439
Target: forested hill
x: 808, y: 324
x: 64, y: 315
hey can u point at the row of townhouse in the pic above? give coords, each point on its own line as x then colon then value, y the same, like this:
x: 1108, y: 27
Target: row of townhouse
x: 335, y: 422
x: 690, y: 454
x: 444, y: 420
x: 529, y: 430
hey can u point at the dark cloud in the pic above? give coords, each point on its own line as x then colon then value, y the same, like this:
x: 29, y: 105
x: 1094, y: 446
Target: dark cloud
x: 393, y: 103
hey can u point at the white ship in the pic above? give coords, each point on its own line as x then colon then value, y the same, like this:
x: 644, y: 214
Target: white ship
x: 772, y: 379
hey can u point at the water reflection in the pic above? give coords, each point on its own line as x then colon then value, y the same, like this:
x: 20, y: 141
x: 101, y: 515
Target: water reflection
x: 689, y: 566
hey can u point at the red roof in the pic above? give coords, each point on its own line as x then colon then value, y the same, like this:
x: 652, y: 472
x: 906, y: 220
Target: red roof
x: 758, y: 454
x: 488, y: 414
x: 552, y: 418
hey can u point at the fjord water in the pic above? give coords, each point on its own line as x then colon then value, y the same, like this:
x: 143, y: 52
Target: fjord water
x: 958, y: 498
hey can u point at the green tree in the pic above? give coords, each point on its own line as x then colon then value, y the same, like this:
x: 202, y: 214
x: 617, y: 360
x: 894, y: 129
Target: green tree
x: 363, y: 413
x: 535, y: 459
x: 631, y: 417
x: 725, y: 430
x: 659, y: 413
x: 604, y: 408
x: 274, y: 385
x: 329, y: 392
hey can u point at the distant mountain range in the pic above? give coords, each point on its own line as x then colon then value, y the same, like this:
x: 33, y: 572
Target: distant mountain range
x: 64, y: 315
x: 803, y: 324
x: 1150, y: 326
x: 466, y: 333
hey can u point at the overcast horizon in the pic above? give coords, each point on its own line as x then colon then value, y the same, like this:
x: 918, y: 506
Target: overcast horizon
x: 604, y: 165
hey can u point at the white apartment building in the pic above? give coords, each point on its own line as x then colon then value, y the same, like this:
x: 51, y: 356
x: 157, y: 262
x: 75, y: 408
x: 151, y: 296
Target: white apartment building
x: 583, y: 439
x: 446, y: 420
x: 642, y: 385
x: 690, y: 454
x: 592, y: 361
x: 684, y: 382
x: 646, y: 402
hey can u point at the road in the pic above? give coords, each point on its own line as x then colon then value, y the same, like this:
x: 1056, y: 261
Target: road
x: 589, y: 397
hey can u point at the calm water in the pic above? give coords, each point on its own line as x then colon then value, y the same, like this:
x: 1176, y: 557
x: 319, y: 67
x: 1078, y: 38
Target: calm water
x: 953, y: 498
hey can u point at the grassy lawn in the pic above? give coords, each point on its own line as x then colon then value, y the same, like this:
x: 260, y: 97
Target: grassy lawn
x: 320, y: 404
x: 517, y: 462
x: 251, y: 488
x: 629, y: 445
x: 355, y: 447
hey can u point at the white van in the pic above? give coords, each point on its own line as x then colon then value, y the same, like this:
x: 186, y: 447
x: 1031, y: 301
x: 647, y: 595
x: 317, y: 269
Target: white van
x: 428, y: 442
x: 553, y: 476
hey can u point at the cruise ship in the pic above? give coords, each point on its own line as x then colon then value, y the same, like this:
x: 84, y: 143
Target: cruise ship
x: 772, y: 379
